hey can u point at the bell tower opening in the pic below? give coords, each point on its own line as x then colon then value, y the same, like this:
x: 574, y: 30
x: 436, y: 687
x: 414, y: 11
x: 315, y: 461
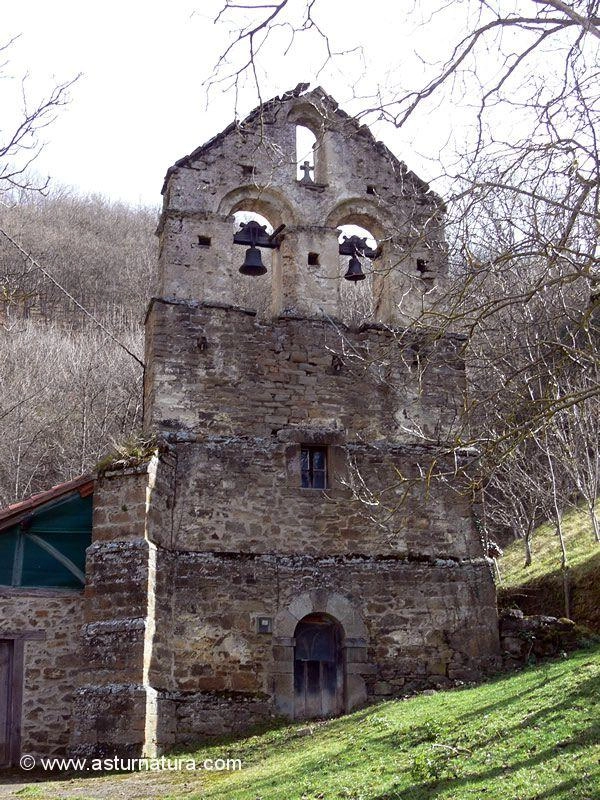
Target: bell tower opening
x: 247, y: 216
x: 253, y: 292
x: 319, y: 681
x: 357, y: 301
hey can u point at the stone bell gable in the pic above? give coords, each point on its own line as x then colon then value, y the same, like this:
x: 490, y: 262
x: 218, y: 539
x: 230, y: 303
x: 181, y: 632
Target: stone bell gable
x: 279, y: 554
x: 251, y: 165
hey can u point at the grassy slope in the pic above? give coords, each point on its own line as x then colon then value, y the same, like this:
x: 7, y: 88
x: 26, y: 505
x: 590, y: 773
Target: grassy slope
x: 529, y: 735
x: 538, y: 588
x: 532, y: 735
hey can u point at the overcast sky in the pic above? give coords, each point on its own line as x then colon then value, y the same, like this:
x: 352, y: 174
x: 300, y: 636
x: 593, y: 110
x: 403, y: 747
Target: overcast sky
x: 141, y: 101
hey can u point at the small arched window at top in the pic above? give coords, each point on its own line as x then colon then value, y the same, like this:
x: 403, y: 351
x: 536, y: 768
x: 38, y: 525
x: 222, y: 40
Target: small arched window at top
x: 308, y: 168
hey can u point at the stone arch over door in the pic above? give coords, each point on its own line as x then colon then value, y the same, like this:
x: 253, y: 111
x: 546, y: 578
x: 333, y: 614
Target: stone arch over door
x: 320, y: 604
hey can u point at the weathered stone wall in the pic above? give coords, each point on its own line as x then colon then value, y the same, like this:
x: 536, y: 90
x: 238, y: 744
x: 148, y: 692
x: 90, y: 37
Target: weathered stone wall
x: 244, y: 495
x: 236, y: 397
x: 220, y: 371
x: 116, y: 707
x: 51, y: 664
x: 426, y: 623
x: 204, y: 715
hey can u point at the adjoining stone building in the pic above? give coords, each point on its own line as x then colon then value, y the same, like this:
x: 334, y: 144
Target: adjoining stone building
x: 43, y: 541
x: 278, y: 554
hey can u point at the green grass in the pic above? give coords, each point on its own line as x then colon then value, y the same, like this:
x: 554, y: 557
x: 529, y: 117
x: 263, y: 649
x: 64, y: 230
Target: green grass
x: 538, y: 589
x: 580, y: 545
x: 532, y: 735
x: 528, y: 736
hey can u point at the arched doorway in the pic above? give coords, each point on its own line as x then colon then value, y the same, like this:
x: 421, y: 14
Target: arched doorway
x: 318, y: 667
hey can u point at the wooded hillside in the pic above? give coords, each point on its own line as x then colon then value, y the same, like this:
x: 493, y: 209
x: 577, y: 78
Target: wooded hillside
x: 68, y: 390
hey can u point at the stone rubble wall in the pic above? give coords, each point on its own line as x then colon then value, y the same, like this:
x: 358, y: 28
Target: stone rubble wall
x: 205, y: 715
x: 425, y: 624
x: 525, y: 638
x: 116, y: 707
x: 244, y: 495
x: 214, y: 370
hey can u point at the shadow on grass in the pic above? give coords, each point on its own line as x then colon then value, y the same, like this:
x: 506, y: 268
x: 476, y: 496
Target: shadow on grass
x: 316, y: 774
x: 430, y: 789
x: 38, y: 776
x: 587, y: 692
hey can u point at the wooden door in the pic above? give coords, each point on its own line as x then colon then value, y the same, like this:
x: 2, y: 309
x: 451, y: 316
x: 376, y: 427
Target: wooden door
x: 318, y: 668
x: 6, y: 697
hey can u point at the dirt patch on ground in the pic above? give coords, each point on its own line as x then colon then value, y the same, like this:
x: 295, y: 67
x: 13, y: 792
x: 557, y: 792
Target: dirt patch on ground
x: 135, y: 786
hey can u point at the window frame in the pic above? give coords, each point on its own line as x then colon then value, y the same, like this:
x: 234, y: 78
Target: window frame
x: 311, y: 450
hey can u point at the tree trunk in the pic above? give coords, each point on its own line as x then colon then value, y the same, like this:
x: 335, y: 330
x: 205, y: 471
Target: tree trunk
x: 527, y: 543
x: 564, y: 565
x: 595, y: 523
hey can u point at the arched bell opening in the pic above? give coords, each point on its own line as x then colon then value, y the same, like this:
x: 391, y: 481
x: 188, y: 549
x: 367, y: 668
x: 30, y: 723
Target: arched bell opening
x: 246, y: 215
x: 253, y: 267
x: 358, y: 274
x: 319, y: 669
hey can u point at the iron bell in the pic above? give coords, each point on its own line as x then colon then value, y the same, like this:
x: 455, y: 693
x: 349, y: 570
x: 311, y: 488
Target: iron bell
x: 355, y: 272
x: 253, y: 264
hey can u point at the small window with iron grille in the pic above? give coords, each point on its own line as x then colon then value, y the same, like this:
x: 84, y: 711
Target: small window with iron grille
x: 313, y: 465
